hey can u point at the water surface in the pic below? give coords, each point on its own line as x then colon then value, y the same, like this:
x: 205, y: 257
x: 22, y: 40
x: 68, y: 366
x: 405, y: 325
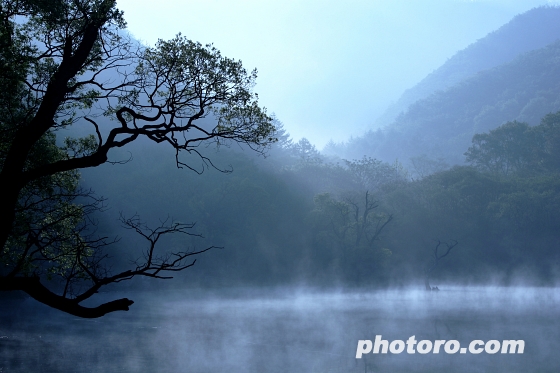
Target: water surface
x: 290, y: 330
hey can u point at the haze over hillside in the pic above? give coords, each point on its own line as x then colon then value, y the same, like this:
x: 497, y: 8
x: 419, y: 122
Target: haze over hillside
x: 469, y: 99
x: 528, y: 31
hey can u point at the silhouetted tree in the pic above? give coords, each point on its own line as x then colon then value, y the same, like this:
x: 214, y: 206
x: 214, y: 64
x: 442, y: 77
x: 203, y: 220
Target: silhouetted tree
x: 69, y: 63
x: 351, y: 228
x: 436, y: 257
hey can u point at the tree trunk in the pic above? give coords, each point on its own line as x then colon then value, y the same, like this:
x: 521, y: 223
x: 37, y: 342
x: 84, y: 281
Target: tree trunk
x: 33, y: 287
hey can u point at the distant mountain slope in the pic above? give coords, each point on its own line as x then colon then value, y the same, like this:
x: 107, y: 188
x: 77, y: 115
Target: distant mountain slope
x: 442, y: 125
x: 528, y: 31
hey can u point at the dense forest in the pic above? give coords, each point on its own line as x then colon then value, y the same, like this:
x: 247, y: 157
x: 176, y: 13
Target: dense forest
x: 297, y: 217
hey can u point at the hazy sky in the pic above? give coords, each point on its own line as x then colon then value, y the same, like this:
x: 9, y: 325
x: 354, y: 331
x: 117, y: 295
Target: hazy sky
x: 327, y: 68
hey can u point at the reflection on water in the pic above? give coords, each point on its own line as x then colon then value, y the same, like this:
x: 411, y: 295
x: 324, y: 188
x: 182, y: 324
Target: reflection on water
x: 284, y: 331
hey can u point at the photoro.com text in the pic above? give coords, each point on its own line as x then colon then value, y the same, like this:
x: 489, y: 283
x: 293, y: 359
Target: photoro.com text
x: 412, y: 346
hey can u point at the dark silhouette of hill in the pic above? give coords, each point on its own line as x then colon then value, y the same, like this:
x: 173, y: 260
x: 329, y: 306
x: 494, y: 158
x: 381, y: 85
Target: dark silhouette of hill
x: 528, y: 31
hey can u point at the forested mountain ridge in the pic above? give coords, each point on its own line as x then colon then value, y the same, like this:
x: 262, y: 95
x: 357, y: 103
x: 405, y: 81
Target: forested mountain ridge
x: 528, y: 31
x: 443, y: 124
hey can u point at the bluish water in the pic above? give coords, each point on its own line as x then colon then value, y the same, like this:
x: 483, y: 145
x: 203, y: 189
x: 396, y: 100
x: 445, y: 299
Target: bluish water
x: 285, y: 331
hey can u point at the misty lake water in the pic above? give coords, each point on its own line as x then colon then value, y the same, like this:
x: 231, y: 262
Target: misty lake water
x: 285, y: 331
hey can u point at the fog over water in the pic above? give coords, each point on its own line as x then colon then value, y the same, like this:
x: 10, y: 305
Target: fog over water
x: 289, y: 330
